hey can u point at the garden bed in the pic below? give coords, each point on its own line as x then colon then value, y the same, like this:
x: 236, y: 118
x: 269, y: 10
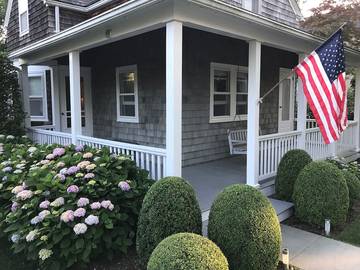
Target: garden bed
x: 348, y: 232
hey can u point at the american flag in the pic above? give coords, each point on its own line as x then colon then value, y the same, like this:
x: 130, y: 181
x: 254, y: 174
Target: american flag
x: 323, y: 77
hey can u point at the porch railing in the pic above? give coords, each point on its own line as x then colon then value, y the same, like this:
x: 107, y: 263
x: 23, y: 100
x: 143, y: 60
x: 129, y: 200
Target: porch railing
x: 43, y: 136
x: 348, y: 139
x: 272, y: 148
x: 149, y: 158
x: 315, y: 146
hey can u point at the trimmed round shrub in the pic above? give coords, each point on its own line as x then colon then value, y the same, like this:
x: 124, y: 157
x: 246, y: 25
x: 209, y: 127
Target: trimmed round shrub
x: 187, y: 251
x: 353, y: 184
x: 289, y: 169
x: 169, y: 207
x: 243, y: 223
x: 320, y: 193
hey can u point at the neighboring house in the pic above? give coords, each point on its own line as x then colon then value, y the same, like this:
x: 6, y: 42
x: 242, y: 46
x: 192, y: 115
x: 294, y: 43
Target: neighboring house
x: 164, y: 80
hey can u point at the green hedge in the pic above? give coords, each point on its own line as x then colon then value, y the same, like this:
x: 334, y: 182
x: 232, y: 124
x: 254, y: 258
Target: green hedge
x: 353, y: 184
x: 320, y: 193
x: 288, y: 170
x: 245, y: 226
x: 187, y: 251
x: 169, y: 207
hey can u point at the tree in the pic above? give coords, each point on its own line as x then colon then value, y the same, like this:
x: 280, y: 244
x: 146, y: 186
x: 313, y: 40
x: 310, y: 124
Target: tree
x: 326, y: 19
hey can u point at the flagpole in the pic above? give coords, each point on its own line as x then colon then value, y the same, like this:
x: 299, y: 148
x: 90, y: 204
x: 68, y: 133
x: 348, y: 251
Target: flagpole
x: 260, y: 101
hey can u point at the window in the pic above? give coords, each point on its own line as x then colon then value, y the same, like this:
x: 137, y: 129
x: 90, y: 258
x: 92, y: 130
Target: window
x: 127, y: 94
x: 23, y: 17
x: 37, y: 97
x: 228, y: 93
x: 248, y: 4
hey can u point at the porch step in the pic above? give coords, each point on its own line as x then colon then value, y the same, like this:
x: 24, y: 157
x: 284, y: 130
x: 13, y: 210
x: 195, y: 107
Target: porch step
x: 267, y: 187
x: 283, y: 209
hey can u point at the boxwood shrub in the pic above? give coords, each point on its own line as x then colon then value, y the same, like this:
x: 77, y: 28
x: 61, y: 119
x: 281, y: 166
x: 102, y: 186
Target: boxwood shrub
x: 353, y: 184
x: 169, y: 207
x: 288, y: 170
x: 245, y: 226
x: 320, y: 193
x: 187, y: 251
x: 61, y: 206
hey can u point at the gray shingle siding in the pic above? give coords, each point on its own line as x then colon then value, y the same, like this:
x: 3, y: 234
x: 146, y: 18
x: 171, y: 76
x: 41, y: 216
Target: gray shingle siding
x: 279, y: 10
x: 202, y: 141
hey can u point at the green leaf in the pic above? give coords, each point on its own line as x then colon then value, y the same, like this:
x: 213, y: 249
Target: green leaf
x: 79, y: 244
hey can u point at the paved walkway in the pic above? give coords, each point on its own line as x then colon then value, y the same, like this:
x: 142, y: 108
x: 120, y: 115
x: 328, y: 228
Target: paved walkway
x: 313, y: 252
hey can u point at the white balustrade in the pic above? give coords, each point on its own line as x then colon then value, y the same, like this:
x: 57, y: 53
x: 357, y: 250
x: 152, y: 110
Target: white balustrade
x: 272, y: 148
x: 316, y: 146
x: 347, y: 142
x: 311, y: 123
x: 148, y: 158
x: 43, y: 136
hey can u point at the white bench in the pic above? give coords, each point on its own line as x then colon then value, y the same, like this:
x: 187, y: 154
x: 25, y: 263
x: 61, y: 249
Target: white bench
x: 237, y: 141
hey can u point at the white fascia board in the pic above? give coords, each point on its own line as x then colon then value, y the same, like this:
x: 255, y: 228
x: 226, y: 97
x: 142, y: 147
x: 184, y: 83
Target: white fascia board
x: 84, y: 26
x: 92, y: 7
x: 8, y: 13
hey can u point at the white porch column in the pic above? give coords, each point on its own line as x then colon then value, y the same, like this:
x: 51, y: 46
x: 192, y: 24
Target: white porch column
x: 357, y: 107
x: 75, y: 95
x: 25, y: 94
x: 252, y: 165
x: 55, y: 97
x: 301, y: 110
x: 174, y: 39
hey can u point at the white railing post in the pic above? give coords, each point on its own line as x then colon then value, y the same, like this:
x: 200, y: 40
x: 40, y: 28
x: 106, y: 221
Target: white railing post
x: 357, y: 109
x: 174, y: 39
x: 252, y: 164
x: 24, y: 80
x: 55, y: 97
x: 301, y: 111
x: 75, y: 95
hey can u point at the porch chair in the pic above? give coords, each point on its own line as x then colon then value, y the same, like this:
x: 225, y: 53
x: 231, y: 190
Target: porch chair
x: 237, y: 141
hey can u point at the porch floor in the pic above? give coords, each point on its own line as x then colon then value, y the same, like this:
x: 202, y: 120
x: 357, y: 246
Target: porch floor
x: 208, y: 179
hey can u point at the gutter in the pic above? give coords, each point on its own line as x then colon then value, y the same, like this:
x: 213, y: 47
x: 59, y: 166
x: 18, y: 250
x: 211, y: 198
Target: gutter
x: 106, y: 16
x: 73, y: 7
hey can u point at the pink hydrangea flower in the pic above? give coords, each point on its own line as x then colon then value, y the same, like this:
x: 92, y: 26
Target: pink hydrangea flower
x: 72, y: 170
x: 82, y: 202
x: 63, y: 171
x: 44, y: 204
x: 89, y: 176
x: 80, y: 212
x: 17, y: 189
x: 124, y: 186
x: 36, y: 220
x: 60, y: 177
x: 24, y: 195
x: 107, y: 205
x: 92, y: 220
x: 67, y: 216
x: 44, y: 213
x: 95, y: 205
x: 73, y: 189
x: 79, y: 148
x: 80, y: 228
x: 50, y: 156
x: 88, y: 155
x: 83, y: 164
x: 58, y: 152
x: 14, y: 206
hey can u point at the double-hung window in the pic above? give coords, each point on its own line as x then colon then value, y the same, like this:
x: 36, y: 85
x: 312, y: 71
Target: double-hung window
x: 37, y: 96
x: 23, y: 8
x: 127, y: 94
x: 228, y: 93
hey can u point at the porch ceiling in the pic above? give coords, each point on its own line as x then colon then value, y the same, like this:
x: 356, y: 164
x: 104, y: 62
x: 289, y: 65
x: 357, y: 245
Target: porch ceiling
x: 139, y: 16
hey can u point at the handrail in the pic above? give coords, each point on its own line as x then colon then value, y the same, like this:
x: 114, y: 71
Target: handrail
x: 279, y: 135
x: 51, y: 132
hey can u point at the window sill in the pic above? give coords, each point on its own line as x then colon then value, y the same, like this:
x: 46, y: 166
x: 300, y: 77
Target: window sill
x: 134, y: 120
x: 39, y: 119
x: 226, y: 119
x: 24, y: 33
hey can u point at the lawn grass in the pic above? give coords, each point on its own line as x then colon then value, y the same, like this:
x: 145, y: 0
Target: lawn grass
x: 351, y: 233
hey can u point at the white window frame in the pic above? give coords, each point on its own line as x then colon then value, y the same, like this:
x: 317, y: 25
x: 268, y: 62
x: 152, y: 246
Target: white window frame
x: 122, y: 118
x: 23, y: 7
x: 44, y: 117
x: 248, y: 4
x: 233, y: 69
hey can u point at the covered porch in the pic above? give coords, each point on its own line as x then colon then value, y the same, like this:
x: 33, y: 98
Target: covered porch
x: 172, y: 118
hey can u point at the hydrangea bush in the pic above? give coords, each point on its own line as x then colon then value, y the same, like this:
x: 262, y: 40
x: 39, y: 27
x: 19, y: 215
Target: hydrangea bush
x: 62, y: 206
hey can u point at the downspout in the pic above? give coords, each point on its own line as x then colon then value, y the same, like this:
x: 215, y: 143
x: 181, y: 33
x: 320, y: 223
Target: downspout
x: 57, y: 19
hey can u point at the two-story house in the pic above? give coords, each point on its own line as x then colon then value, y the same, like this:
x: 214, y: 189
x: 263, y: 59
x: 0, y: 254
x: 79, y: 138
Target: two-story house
x: 172, y: 83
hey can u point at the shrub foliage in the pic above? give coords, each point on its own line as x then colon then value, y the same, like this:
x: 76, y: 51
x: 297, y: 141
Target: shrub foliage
x: 63, y: 206
x: 187, y: 251
x: 245, y: 226
x: 288, y: 170
x: 169, y: 207
x: 320, y: 193
x: 353, y: 184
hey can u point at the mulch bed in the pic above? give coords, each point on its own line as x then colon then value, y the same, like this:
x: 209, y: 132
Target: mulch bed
x: 335, y: 231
